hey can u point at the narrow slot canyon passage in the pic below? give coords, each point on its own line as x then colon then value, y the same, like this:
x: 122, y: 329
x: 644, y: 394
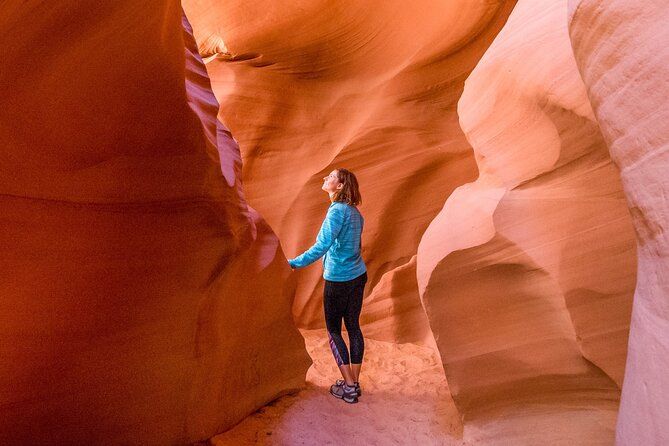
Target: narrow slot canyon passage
x: 163, y: 164
x: 486, y: 215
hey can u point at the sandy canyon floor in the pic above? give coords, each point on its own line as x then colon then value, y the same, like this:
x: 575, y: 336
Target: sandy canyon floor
x: 405, y: 395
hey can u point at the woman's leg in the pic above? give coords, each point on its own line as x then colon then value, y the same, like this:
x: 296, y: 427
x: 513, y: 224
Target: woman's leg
x: 334, y: 303
x: 355, y: 371
x: 351, y: 319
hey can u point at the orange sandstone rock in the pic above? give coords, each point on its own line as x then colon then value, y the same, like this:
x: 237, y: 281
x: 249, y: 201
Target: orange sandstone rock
x: 527, y: 274
x: 142, y: 299
x: 308, y: 86
x: 621, y: 51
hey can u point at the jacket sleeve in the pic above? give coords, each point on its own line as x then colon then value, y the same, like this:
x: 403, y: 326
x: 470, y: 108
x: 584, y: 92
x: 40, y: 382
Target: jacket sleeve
x: 330, y: 229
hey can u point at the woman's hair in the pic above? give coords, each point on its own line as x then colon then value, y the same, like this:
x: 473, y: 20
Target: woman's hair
x: 349, y: 193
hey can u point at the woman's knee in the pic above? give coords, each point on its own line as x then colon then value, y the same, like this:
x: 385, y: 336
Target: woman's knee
x: 333, y: 329
x: 352, y: 325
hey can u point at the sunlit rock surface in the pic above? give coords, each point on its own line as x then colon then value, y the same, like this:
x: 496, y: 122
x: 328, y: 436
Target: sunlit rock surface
x: 527, y: 274
x: 143, y: 302
x: 308, y: 86
x: 621, y: 51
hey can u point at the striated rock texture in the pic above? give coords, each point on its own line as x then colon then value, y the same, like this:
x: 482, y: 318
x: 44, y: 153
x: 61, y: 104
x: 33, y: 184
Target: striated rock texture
x: 527, y: 274
x: 308, y: 86
x: 621, y: 51
x: 142, y: 299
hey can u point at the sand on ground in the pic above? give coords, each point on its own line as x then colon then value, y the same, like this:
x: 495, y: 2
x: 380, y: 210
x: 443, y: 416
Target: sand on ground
x: 405, y: 401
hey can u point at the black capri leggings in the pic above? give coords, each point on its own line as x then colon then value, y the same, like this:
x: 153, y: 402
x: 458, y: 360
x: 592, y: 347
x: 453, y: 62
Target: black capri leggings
x: 344, y: 300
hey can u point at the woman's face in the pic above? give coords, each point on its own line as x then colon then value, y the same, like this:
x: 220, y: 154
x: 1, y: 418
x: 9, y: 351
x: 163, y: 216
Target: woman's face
x: 331, y: 183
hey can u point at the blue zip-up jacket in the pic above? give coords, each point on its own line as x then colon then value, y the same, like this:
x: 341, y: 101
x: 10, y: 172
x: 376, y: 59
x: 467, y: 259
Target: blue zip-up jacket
x: 340, y: 241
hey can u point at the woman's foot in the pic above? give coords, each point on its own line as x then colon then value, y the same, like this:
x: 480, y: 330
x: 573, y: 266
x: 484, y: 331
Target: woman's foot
x: 340, y: 382
x: 345, y: 392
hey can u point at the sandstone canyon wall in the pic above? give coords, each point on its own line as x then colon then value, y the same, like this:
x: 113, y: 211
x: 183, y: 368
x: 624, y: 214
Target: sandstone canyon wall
x: 527, y: 273
x: 621, y: 51
x: 308, y: 86
x: 143, y: 301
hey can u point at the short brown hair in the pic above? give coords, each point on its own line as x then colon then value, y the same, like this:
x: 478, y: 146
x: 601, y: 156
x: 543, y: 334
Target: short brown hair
x: 349, y: 193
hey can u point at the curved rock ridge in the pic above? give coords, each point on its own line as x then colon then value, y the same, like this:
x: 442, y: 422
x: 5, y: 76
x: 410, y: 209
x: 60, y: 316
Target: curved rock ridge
x: 527, y: 274
x: 309, y: 86
x: 140, y: 292
x: 621, y: 51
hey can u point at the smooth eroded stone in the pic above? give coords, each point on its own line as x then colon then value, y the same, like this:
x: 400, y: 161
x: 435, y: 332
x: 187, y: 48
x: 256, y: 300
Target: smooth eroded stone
x: 311, y: 85
x: 527, y: 274
x: 621, y: 52
x: 143, y: 301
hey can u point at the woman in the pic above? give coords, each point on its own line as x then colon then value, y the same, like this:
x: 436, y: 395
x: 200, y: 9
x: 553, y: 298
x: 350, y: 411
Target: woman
x: 345, y: 276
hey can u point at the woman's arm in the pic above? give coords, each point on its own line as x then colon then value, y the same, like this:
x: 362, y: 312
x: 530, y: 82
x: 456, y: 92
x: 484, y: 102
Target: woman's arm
x: 330, y: 229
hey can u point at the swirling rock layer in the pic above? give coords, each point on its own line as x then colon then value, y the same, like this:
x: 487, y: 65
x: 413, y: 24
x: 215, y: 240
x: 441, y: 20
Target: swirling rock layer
x: 621, y: 53
x: 145, y: 302
x: 308, y: 86
x: 142, y: 299
x: 525, y: 276
x: 527, y: 273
